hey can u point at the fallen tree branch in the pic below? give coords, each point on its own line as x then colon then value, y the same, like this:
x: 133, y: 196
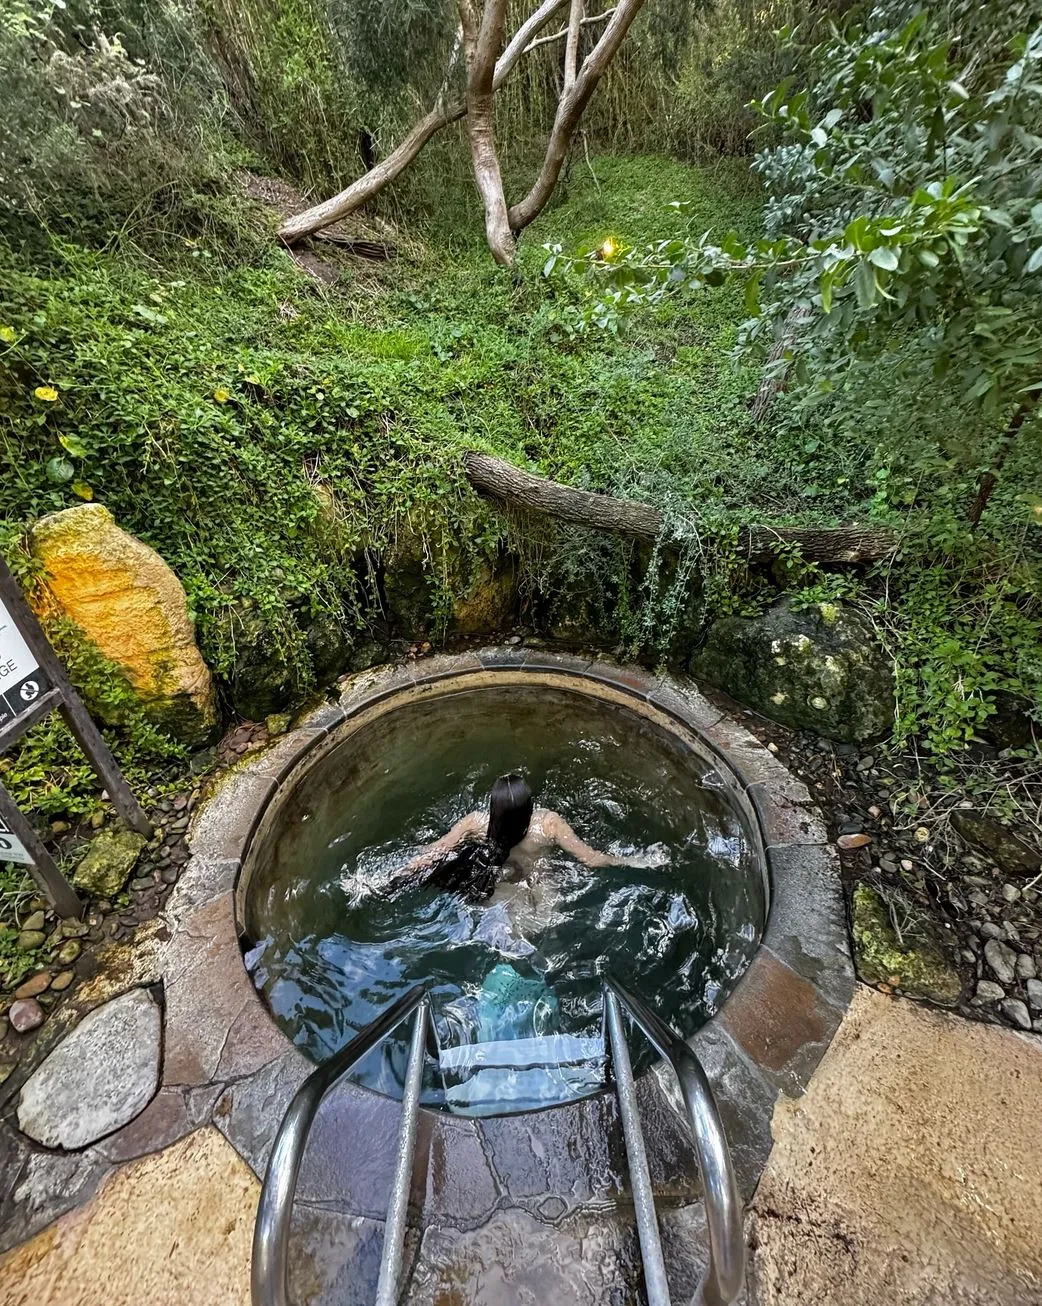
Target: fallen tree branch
x: 502, y: 480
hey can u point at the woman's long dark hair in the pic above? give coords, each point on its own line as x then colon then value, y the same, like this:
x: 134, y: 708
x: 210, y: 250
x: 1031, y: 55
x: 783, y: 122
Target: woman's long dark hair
x: 472, y: 869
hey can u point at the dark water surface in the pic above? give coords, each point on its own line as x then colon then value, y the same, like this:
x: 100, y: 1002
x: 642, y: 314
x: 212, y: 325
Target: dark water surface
x: 329, y: 954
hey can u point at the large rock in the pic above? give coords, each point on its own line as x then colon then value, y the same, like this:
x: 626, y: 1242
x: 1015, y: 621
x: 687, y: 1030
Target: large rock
x: 913, y: 964
x: 490, y: 602
x: 263, y: 677
x: 415, y: 585
x: 128, y: 602
x: 408, y: 591
x: 98, y: 1078
x: 990, y: 836
x: 819, y: 668
x: 107, y: 863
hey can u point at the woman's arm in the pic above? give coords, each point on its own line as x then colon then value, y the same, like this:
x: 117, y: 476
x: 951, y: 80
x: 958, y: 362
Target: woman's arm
x: 566, y: 839
x: 472, y: 826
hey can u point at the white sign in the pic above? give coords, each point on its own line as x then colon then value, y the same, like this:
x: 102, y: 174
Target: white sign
x: 12, y: 849
x: 21, y: 681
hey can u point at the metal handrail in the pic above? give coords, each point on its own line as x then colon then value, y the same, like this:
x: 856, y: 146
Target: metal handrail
x: 268, y: 1275
x: 725, y: 1273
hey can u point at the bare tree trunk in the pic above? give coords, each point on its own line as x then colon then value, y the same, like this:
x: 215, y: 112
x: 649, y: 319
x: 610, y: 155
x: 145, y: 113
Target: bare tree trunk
x: 773, y: 381
x: 482, y: 44
x: 569, y: 110
x: 571, y: 52
x: 362, y: 190
x: 502, y: 480
x: 986, y: 485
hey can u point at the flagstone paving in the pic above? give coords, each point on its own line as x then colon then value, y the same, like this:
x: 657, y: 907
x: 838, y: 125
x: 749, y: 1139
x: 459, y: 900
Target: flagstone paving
x: 164, y: 1230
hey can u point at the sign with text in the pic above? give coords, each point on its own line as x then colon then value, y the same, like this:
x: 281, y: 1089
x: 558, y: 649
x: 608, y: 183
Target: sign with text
x: 11, y: 848
x: 33, y: 683
x: 21, y: 680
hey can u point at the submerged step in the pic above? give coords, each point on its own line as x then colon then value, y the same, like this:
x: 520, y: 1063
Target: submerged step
x: 547, y: 1051
x: 522, y: 1074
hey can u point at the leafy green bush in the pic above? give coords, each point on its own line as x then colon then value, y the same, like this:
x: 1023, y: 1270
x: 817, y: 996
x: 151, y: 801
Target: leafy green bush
x: 109, y: 119
x: 899, y: 284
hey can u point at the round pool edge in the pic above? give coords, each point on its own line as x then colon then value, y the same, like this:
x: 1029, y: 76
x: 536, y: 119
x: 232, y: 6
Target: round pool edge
x: 766, y: 1039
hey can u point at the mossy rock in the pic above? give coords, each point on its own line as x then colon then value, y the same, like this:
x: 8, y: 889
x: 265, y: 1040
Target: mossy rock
x: 129, y: 604
x: 409, y: 598
x: 105, y: 867
x: 490, y: 603
x: 918, y: 968
x: 819, y: 668
x: 262, y: 680
x: 989, y: 836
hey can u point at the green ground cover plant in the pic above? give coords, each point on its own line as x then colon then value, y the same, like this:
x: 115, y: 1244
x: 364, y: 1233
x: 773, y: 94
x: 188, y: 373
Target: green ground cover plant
x: 280, y: 440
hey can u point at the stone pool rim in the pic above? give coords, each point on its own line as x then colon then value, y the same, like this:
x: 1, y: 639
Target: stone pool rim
x: 772, y: 1030
x: 362, y: 729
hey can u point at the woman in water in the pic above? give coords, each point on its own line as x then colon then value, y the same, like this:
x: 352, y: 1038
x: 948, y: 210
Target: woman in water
x: 514, y: 834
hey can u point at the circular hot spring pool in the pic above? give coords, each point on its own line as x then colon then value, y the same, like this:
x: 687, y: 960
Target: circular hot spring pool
x: 514, y: 979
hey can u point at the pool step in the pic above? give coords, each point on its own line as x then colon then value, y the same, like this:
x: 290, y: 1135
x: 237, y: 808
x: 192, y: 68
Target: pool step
x: 524, y: 1073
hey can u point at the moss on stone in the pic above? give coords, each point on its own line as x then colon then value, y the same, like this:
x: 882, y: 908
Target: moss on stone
x: 107, y: 863
x: 918, y: 968
x: 819, y: 668
x: 490, y: 602
x: 128, y: 603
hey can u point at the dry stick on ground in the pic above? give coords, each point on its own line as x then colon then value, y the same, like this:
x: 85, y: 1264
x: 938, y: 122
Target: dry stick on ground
x: 443, y: 113
x: 482, y: 43
x: 502, y: 480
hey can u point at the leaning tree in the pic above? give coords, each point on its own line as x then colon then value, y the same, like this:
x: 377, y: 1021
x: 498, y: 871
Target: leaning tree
x: 483, y: 58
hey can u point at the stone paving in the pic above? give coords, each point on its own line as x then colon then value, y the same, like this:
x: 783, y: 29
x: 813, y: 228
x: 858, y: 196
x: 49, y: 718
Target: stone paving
x: 515, y: 1209
x: 165, y: 1230
x: 910, y: 1172
x: 97, y: 1079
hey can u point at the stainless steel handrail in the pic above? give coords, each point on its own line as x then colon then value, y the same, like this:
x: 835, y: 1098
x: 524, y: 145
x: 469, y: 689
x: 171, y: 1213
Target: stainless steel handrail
x: 398, y: 1206
x: 636, y: 1155
x: 268, y: 1275
x: 725, y: 1274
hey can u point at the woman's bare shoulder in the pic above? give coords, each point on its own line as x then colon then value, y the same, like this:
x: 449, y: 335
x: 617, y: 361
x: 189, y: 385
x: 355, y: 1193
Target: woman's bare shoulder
x: 546, y: 820
x: 474, y: 824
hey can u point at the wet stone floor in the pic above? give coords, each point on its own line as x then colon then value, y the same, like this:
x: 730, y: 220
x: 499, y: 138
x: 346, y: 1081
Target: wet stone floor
x: 533, y: 1208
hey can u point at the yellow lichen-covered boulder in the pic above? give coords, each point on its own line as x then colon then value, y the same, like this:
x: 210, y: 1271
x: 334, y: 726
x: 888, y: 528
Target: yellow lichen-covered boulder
x: 128, y: 602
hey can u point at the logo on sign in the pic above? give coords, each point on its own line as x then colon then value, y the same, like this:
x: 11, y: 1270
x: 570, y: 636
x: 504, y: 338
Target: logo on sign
x: 12, y: 849
x: 21, y: 682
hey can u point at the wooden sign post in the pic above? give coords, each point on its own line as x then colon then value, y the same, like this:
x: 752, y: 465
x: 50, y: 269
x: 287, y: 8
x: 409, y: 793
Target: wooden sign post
x: 33, y: 684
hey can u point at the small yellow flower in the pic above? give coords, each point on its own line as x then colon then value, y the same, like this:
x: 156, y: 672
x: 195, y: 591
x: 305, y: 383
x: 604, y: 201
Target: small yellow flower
x: 47, y: 393
x: 222, y: 396
x: 7, y: 334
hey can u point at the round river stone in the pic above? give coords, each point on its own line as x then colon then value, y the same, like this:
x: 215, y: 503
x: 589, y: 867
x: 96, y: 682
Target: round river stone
x: 98, y: 1078
x: 25, y: 1014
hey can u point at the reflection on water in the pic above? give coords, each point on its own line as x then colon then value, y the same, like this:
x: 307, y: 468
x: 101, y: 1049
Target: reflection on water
x: 514, y: 981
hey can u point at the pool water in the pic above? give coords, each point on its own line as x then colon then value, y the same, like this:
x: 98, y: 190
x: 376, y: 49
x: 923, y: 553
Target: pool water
x: 518, y: 974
